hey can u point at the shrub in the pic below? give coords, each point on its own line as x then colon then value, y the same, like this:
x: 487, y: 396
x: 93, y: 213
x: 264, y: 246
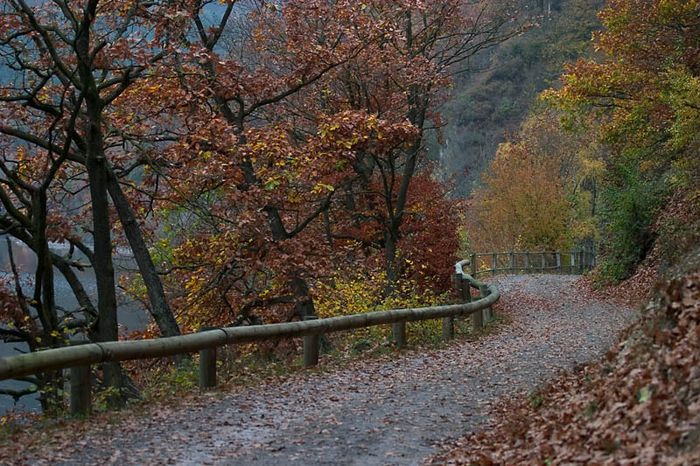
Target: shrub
x: 628, y: 209
x: 361, y: 293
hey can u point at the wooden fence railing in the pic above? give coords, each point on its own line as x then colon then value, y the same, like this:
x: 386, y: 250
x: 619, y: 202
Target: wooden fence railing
x: 79, y: 358
x: 531, y: 262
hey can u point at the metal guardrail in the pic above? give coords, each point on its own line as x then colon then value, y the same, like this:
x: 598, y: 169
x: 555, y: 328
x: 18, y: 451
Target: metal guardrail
x: 578, y: 261
x: 79, y: 358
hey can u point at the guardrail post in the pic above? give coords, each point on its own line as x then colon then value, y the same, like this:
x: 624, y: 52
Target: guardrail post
x: 80, y: 385
x: 572, y: 262
x: 527, y: 262
x: 558, y: 256
x: 472, y: 262
x: 487, y: 313
x: 448, y: 328
x: 465, y: 290
x: 478, y: 316
x: 398, y: 333
x: 544, y: 262
x: 207, y: 365
x: 80, y: 392
x: 311, y: 346
x: 494, y: 261
x: 512, y: 262
x: 477, y: 320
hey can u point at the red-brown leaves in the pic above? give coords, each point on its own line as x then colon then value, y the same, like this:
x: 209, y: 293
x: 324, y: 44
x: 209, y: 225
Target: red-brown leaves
x: 639, y: 407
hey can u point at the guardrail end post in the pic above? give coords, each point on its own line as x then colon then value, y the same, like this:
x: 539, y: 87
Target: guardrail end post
x: 312, y: 344
x: 207, y: 365
x: 448, y: 328
x: 398, y: 333
x: 80, y: 391
x: 457, y: 283
x: 465, y: 291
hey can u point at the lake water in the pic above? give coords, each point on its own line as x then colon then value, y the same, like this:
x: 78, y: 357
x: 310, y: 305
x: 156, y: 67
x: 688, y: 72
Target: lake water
x: 131, y: 314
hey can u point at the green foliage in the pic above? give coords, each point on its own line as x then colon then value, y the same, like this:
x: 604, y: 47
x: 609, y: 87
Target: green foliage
x: 629, y: 206
x: 536, y: 399
x: 591, y: 409
x: 103, y: 399
x: 645, y: 394
x: 170, y: 381
x: 639, y: 97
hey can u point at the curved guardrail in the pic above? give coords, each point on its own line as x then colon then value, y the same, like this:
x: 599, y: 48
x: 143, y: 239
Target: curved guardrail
x: 575, y: 262
x: 78, y: 358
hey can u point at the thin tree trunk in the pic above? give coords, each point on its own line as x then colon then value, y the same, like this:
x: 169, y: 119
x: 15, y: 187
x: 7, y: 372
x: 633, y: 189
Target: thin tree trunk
x: 44, y: 296
x: 304, y: 306
x: 160, y: 310
x: 44, y: 299
x: 418, y: 105
x: 390, y: 258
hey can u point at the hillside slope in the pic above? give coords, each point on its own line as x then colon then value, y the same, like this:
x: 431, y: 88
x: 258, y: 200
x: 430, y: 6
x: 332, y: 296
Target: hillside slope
x: 490, y: 102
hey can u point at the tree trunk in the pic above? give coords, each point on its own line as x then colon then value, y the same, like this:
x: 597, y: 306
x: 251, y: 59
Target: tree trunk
x: 44, y: 298
x: 418, y: 104
x: 160, y: 310
x: 392, y: 274
x: 96, y: 166
x: 304, y: 306
x: 103, y: 266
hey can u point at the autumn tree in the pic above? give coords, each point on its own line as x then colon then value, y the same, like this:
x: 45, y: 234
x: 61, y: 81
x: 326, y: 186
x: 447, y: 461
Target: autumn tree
x: 642, y: 90
x: 253, y: 181
x: 404, y: 76
x: 69, y: 63
x: 295, y: 132
x: 539, y: 192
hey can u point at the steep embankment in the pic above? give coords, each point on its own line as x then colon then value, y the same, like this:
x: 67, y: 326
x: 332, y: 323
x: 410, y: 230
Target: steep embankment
x: 389, y: 411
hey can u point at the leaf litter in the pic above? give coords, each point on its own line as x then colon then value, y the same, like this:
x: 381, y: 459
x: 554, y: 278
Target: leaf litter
x: 640, y: 405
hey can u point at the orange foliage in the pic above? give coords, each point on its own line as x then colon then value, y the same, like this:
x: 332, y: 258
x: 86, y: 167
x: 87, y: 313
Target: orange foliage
x: 539, y: 191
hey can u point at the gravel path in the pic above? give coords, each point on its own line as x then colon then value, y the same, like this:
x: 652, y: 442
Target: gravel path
x: 374, y: 412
